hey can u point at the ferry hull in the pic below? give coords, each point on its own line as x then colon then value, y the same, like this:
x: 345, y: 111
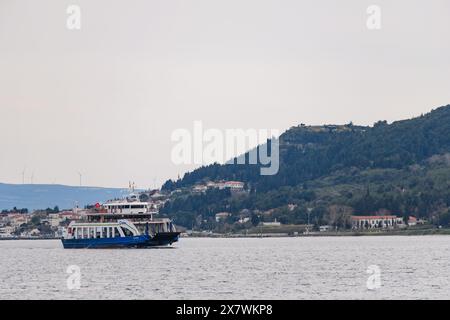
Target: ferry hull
x: 142, y: 241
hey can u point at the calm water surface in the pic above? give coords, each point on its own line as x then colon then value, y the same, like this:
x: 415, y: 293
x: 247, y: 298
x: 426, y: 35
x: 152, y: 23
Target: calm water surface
x: 282, y: 268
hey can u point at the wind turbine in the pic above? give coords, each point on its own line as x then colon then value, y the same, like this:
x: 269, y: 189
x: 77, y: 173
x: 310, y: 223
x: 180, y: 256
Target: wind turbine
x: 32, y: 177
x: 79, y: 173
x: 23, y: 175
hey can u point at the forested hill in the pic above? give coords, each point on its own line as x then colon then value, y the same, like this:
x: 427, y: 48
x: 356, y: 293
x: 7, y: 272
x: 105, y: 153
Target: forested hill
x: 311, y: 152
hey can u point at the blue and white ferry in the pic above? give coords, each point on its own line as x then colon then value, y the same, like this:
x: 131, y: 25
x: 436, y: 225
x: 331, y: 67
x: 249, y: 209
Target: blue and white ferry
x: 120, y: 224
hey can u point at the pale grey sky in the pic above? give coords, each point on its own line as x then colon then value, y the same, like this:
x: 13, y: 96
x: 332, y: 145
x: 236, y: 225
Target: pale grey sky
x: 105, y: 99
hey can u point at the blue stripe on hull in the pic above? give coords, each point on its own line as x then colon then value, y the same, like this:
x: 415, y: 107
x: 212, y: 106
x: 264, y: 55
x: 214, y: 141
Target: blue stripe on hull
x: 121, y: 242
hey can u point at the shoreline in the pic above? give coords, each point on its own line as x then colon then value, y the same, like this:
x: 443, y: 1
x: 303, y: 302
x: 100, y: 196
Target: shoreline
x: 417, y: 232
x: 426, y: 232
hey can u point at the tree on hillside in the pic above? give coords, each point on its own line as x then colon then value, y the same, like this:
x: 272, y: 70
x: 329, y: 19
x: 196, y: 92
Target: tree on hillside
x: 339, y: 216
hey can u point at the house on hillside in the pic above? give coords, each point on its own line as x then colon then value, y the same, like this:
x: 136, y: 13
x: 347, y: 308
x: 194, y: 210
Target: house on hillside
x: 199, y: 188
x: 17, y: 219
x: 234, y: 186
x: 70, y: 215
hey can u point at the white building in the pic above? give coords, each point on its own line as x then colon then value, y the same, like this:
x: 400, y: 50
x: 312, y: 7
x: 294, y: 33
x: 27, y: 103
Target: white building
x: 34, y: 232
x: 324, y: 228
x: 232, y: 185
x: 376, y: 222
x: 221, y: 216
x: 6, y: 231
x: 272, y: 224
x: 199, y: 188
x: 244, y: 219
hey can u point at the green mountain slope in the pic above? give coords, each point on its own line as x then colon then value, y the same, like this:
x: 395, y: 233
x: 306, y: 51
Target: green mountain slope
x: 400, y: 167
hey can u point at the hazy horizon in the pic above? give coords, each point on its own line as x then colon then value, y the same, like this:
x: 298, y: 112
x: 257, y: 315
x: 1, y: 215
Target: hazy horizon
x: 104, y: 100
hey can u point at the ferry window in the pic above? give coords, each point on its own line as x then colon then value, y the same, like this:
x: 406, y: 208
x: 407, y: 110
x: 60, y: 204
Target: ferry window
x: 116, y: 232
x: 91, y: 233
x: 127, y: 232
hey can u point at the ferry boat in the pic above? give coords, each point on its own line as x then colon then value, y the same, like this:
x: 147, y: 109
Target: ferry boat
x: 121, y: 224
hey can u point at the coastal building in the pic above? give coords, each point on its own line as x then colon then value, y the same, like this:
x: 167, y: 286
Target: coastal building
x: 54, y: 219
x: 70, y: 215
x: 33, y: 233
x: 376, y: 222
x: 272, y: 224
x: 6, y: 231
x: 222, y: 216
x: 412, y: 221
x: 17, y: 219
x: 244, y: 220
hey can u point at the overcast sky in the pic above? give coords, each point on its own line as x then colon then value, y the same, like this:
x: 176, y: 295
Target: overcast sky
x: 105, y: 99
